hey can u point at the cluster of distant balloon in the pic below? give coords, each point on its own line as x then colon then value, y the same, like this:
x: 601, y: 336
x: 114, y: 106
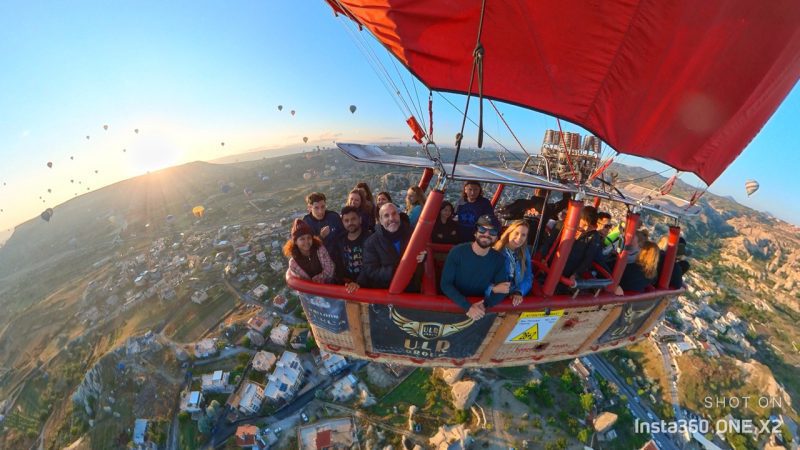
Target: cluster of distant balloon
x: 48, y: 213
x: 353, y: 109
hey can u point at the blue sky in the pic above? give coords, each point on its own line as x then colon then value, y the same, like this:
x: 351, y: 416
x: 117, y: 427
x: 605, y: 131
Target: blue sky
x: 190, y: 75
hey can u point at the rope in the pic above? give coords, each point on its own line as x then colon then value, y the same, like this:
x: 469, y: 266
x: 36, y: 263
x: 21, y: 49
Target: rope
x: 430, y: 113
x: 475, y: 54
x: 645, y: 177
x: 487, y: 134
x: 418, y: 105
x: 509, y: 128
x: 375, y: 65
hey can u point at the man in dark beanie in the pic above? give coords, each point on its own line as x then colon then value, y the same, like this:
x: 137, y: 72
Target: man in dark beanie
x: 308, y: 258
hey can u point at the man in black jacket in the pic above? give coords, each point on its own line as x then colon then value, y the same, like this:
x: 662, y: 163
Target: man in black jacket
x: 383, y: 250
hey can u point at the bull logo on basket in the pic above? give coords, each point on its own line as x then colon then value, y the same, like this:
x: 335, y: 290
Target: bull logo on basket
x: 428, y: 330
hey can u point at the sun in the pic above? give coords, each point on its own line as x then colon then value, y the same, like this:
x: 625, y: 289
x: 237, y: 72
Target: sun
x: 153, y: 154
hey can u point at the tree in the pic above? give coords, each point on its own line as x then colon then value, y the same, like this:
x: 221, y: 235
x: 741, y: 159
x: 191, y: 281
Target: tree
x: 204, y: 425
x: 587, y: 402
x: 212, y: 409
x: 584, y: 435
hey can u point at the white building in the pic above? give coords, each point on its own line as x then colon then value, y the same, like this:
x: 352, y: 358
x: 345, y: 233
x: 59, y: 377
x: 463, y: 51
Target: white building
x: 199, y: 297
x: 216, y: 382
x: 344, y: 389
x: 679, y: 348
x: 192, y: 402
x: 261, y: 257
x: 263, y: 361
x: 332, y: 362
x: 279, y: 335
x: 252, y: 396
x: 259, y: 291
x: 285, y: 381
x: 205, y: 348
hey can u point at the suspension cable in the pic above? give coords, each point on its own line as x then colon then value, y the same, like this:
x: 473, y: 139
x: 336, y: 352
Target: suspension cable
x: 477, y: 58
x: 509, y: 128
x: 374, y: 65
x: 417, y: 106
x: 475, y: 123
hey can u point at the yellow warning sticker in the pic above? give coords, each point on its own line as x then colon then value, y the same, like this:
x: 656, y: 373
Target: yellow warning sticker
x: 534, y: 326
x: 531, y: 334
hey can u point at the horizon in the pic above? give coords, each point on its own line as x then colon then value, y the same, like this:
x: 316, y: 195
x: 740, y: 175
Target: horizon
x: 191, y: 77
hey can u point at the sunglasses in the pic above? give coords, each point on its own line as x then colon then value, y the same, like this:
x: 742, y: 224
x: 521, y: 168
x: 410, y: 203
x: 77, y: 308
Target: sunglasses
x: 484, y: 230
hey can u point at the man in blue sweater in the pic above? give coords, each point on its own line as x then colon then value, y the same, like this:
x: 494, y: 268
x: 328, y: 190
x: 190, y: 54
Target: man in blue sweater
x: 476, y: 269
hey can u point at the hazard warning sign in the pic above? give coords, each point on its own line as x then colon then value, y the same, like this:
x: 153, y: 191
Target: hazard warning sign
x: 533, y: 326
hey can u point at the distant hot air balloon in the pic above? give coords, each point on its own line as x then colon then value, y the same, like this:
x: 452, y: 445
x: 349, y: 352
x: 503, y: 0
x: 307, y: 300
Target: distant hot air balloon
x: 49, y: 191
x: 170, y: 218
x: 280, y: 107
x: 136, y: 130
x: 222, y: 144
x: 751, y: 186
x: 50, y: 164
x: 124, y: 150
x: 352, y: 109
x: 47, y: 214
x: 105, y: 127
x: 96, y: 171
x: 198, y: 211
x: 87, y: 137
x: 305, y: 139
x: 292, y: 112
x: 72, y: 157
x: 71, y: 181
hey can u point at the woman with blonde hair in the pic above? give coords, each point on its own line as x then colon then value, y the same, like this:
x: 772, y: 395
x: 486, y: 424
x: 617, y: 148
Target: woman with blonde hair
x: 643, y: 272
x: 415, y: 199
x: 512, y: 244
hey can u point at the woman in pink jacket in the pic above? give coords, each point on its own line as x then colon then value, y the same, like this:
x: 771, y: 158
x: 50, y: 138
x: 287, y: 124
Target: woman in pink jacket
x: 308, y: 258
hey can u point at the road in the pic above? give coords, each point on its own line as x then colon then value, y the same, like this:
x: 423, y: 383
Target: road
x: 671, y: 380
x: 639, y: 410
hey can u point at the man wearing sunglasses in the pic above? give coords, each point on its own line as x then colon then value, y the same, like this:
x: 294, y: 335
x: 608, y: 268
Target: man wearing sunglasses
x: 475, y: 269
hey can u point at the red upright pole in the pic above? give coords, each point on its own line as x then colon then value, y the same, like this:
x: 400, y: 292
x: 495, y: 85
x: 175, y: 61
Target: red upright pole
x: 631, y: 224
x: 596, y: 203
x: 669, y: 257
x: 564, y: 247
x: 419, y: 240
x: 497, y: 194
x: 426, y: 178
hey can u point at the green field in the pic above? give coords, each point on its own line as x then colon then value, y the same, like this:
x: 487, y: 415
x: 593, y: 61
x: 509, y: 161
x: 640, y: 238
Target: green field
x: 515, y: 373
x: 188, y: 435
x: 411, y: 391
x: 195, y: 319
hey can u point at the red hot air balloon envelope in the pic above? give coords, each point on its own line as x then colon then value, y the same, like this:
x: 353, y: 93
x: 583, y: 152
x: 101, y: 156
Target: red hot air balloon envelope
x: 685, y: 83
